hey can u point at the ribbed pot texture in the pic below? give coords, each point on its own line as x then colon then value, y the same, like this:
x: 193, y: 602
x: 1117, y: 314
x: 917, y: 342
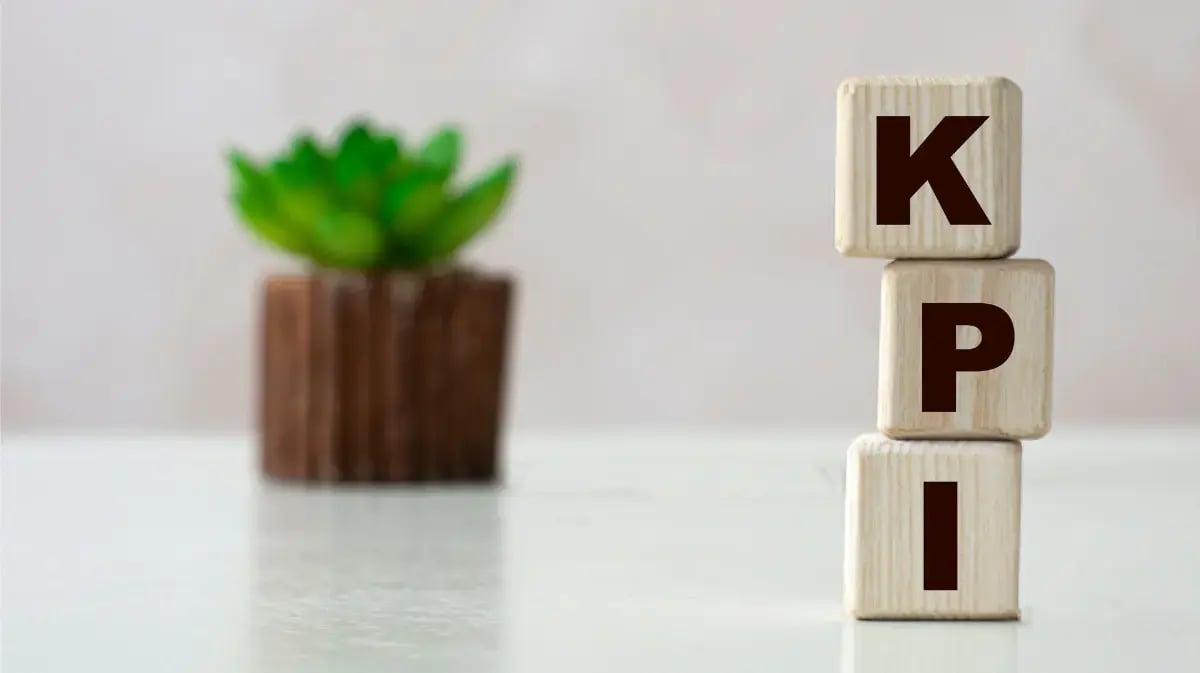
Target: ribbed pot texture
x: 383, y: 377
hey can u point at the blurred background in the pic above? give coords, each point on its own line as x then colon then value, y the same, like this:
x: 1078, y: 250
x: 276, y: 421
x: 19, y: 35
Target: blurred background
x: 673, y: 227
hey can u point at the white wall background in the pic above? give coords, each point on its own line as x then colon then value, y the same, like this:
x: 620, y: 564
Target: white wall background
x: 673, y: 229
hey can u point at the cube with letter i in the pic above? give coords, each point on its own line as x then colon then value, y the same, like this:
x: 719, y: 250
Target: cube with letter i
x: 933, y: 529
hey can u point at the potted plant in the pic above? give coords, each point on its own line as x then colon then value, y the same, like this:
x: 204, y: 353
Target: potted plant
x: 385, y: 361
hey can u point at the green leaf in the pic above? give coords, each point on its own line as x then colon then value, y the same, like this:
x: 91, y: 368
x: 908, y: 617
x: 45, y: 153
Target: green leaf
x: 350, y: 239
x: 358, y: 178
x: 309, y: 162
x: 256, y: 203
x: 259, y: 216
x: 353, y: 160
x: 245, y: 173
x: 413, y: 202
x: 301, y: 195
x: 285, y: 175
x: 357, y: 135
x: 440, y: 153
x: 305, y: 207
x: 466, y: 215
x: 385, y: 151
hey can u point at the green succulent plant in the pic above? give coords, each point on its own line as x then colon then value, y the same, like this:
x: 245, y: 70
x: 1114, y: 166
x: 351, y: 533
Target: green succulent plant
x: 367, y: 201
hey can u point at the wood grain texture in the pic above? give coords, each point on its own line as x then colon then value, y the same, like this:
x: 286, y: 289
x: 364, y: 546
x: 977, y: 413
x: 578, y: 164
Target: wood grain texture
x: 285, y: 369
x: 391, y: 377
x: 989, y: 161
x: 1010, y: 401
x: 884, y: 553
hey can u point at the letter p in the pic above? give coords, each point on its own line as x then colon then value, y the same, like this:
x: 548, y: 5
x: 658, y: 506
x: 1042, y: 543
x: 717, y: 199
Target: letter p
x: 941, y: 359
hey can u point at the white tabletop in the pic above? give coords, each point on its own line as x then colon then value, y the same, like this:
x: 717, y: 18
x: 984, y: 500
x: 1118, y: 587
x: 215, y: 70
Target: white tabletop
x: 611, y: 553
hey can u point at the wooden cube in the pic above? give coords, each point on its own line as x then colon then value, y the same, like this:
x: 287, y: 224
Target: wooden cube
x: 966, y: 349
x: 933, y: 529
x: 928, y: 167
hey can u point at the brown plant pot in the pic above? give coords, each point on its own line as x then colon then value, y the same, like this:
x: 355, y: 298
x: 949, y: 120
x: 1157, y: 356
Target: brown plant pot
x: 383, y: 377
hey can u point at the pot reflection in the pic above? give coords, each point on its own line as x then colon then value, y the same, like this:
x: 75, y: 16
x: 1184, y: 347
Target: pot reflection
x: 368, y: 578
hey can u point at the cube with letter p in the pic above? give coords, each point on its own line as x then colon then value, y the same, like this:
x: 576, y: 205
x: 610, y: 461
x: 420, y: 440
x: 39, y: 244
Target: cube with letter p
x: 966, y: 349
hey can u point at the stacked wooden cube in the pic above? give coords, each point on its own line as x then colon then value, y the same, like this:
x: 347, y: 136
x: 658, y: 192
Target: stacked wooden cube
x: 929, y: 174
